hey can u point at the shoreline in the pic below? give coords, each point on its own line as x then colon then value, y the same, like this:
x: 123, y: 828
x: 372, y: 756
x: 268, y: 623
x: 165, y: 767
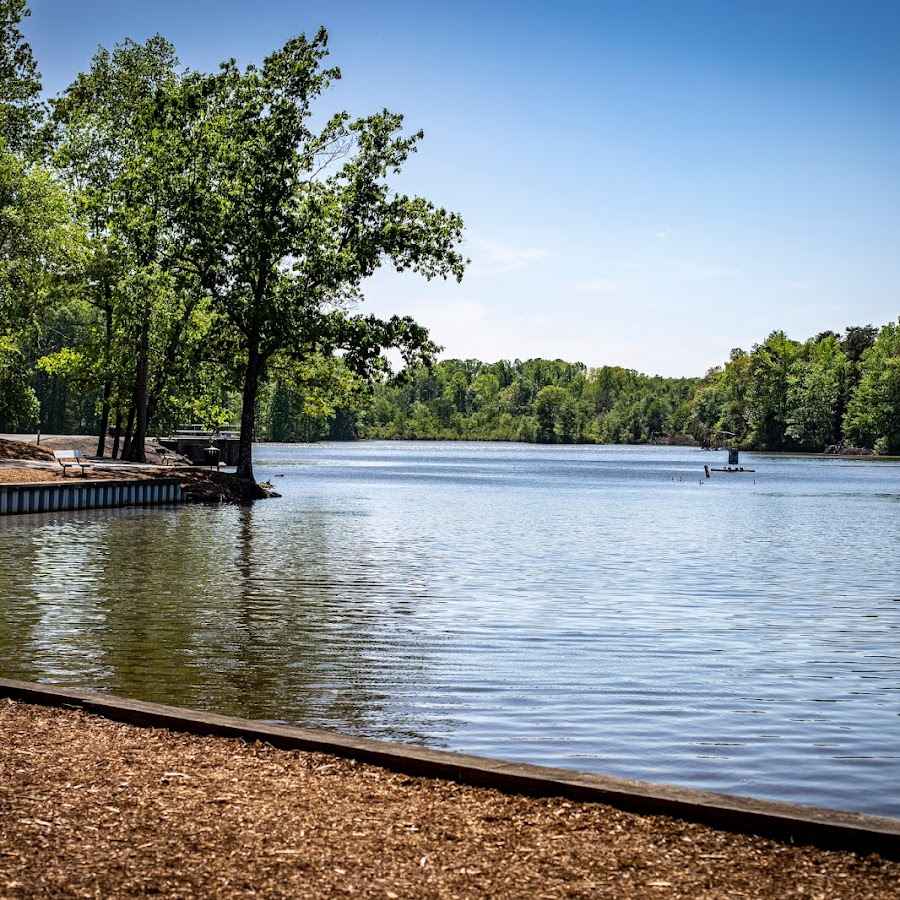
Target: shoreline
x: 850, y: 453
x: 100, y: 808
x: 828, y: 828
x: 24, y: 463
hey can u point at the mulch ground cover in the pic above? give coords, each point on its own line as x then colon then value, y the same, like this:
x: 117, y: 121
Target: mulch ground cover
x: 95, y: 808
x: 22, y: 450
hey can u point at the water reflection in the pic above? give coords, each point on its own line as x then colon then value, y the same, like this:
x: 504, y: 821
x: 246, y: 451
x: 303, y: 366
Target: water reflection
x: 591, y: 607
x: 196, y: 607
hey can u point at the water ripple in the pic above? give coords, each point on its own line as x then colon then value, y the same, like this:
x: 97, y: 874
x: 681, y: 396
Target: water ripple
x: 589, y: 607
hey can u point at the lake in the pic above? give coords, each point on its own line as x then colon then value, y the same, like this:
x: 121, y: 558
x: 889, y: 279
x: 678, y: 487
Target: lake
x: 599, y: 608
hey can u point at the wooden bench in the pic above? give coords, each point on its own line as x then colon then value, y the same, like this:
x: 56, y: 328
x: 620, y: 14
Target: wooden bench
x: 170, y: 458
x: 69, y: 458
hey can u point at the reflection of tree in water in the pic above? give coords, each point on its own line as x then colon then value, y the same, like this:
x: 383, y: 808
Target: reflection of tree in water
x: 294, y: 616
x: 20, y: 610
x: 208, y: 608
x: 293, y: 644
x: 147, y: 582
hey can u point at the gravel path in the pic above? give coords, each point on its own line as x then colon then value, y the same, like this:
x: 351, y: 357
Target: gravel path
x: 94, y: 808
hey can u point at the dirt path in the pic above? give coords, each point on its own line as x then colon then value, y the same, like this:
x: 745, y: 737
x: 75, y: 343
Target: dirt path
x: 94, y: 808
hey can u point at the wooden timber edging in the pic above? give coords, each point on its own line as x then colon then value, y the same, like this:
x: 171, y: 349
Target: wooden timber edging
x: 784, y: 821
x: 59, y: 496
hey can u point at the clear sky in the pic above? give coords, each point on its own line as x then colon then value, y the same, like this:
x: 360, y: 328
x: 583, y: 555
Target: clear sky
x: 646, y: 184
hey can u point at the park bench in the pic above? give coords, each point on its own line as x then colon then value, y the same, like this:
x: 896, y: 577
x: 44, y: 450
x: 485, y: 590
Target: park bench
x: 170, y: 458
x: 70, y: 458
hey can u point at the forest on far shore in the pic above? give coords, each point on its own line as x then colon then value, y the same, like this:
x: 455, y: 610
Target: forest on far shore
x: 838, y: 391
x: 831, y: 391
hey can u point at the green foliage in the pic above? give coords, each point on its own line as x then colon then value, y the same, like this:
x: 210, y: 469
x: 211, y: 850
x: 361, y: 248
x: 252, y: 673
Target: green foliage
x: 39, y: 240
x: 873, y: 414
x: 39, y: 236
x: 104, y: 135
x: 546, y: 401
x: 281, y: 224
x: 20, y: 82
x: 767, y: 397
x: 311, y: 400
x: 782, y: 395
x: 790, y: 396
x: 554, y: 410
x: 19, y: 407
x: 815, y: 388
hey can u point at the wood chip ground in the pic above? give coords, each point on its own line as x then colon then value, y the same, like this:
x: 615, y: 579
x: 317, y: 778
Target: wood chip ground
x: 94, y: 808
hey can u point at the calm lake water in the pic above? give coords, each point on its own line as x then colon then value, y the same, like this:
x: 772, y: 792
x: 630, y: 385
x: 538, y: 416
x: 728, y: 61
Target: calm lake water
x: 596, y: 608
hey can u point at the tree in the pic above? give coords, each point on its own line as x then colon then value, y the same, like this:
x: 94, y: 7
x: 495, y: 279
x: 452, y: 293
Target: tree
x: 19, y: 406
x: 767, y: 399
x: 857, y: 339
x: 281, y: 224
x: 38, y: 237
x: 554, y: 410
x: 38, y: 233
x: 309, y: 400
x: 456, y: 391
x: 107, y: 143
x: 20, y: 83
x: 873, y: 415
x: 815, y: 388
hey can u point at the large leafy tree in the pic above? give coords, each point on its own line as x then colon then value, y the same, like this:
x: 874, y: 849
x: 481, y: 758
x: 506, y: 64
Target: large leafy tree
x: 815, y: 389
x: 37, y: 235
x: 281, y: 223
x: 769, y: 368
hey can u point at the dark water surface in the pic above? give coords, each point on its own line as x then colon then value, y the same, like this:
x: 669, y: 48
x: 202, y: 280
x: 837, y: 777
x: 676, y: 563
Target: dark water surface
x: 595, y: 608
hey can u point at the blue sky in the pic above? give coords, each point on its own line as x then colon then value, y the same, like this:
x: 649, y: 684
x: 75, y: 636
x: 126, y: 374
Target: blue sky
x: 646, y: 184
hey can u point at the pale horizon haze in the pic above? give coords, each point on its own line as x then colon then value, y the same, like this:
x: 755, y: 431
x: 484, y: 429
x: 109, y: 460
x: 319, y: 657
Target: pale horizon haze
x: 647, y: 184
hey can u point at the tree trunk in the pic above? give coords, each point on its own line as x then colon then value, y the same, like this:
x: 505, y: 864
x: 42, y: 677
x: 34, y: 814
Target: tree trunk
x: 248, y: 413
x: 137, y: 452
x: 129, y: 428
x: 107, y: 384
x: 104, y: 418
x: 117, y: 434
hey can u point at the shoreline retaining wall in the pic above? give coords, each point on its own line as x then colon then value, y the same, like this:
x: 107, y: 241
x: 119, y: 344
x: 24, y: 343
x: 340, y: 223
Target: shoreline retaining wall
x: 45, y: 496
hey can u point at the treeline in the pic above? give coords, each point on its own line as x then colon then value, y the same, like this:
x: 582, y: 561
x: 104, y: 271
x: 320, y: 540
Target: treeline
x: 543, y: 401
x: 830, y: 391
